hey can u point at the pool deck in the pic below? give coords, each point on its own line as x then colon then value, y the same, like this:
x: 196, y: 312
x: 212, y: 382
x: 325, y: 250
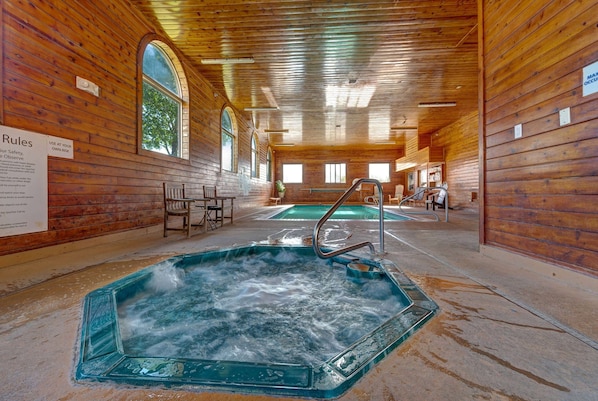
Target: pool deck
x: 508, y: 328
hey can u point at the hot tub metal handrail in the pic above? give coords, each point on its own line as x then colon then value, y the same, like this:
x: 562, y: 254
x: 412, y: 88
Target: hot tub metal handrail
x: 337, y: 204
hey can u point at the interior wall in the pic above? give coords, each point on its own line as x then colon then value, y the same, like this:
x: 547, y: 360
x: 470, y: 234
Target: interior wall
x: 461, y: 161
x: 540, y: 189
x: 109, y: 186
x: 315, y: 190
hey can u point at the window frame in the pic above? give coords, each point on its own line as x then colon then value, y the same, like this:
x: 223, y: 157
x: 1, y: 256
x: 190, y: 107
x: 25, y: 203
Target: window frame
x: 287, y: 179
x: 255, y: 155
x: 269, y: 165
x: 182, y: 98
x: 234, y: 138
x: 335, y: 173
x: 379, y: 163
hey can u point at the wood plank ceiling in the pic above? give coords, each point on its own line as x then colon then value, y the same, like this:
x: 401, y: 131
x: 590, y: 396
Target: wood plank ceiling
x: 319, y: 61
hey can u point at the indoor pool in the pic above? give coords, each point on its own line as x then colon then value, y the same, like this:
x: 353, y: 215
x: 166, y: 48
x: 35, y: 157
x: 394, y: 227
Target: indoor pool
x: 344, y: 212
x: 273, y: 320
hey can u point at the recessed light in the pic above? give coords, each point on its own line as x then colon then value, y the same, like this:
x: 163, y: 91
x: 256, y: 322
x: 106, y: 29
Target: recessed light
x: 228, y: 60
x: 437, y: 104
x: 261, y: 108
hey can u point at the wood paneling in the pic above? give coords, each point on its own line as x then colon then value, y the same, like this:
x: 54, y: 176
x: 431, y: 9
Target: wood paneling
x: 410, y: 51
x: 109, y: 186
x: 314, y: 173
x: 540, y: 189
x: 461, y: 165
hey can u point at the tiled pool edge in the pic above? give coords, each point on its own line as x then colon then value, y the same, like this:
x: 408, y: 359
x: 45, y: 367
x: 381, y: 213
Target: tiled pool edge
x: 101, y: 357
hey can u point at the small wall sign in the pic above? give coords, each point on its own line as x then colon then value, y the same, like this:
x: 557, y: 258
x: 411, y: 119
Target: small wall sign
x: 590, y: 79
x: 60, y: 147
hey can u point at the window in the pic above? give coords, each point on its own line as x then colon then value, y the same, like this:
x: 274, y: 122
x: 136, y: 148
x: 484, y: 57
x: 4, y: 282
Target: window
x: 336, y: 173
x: 380, y: 171
x: 254, y: 155
x: 292, y: 173
x: 269, y: 165
x: 228, y: 127
x: 162, y: 111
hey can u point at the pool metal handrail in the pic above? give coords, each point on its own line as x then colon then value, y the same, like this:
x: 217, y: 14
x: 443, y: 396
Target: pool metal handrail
x: 337, y: 204
x: 423, y: 190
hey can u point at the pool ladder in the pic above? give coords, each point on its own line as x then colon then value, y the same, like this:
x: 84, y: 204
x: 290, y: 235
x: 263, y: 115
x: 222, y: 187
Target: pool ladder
x: 337, y: 204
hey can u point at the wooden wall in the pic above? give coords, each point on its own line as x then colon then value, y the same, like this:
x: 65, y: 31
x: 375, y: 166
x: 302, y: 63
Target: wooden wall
x: 109, y: 186
x: 313, y: 161
x: 461, y: 161
x: 541, y: 190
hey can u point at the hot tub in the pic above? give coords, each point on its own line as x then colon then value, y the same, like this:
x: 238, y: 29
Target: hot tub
x: 258, y: 319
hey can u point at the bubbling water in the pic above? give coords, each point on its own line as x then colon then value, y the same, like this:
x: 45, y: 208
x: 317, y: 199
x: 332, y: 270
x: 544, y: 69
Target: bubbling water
x: 267, y: 308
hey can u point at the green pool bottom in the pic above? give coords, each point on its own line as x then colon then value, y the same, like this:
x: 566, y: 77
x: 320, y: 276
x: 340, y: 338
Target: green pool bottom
x: 344, y: 212
x: 101, y: 356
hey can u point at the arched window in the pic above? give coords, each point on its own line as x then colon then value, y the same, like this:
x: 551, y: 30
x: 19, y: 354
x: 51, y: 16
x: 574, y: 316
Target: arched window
x: 163, y: 94
x: 269, y: 172
x: 229, y: 140
x: 254, y: 156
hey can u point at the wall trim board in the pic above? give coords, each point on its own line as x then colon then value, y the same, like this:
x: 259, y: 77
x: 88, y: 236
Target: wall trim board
x: 18, y: 258
x: 481, y: 126
x: 552, y: 271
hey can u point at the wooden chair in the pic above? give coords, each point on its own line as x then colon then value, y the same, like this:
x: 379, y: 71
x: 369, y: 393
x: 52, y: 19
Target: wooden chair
x: 214, y: 212
x: 176, y: 204
x: 398, y: 197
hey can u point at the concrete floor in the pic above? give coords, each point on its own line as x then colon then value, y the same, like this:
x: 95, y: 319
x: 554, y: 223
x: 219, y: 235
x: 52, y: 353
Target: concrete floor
x: 506, y: 330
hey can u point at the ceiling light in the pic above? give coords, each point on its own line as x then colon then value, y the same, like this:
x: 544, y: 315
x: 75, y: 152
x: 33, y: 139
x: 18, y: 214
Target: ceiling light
x: 238, y: 60
x: 276, y: 131
x: 284, y: 144
x: 437, y: 104
x: 261, y: 108
x: 404, y: 128
x: 351, y: 96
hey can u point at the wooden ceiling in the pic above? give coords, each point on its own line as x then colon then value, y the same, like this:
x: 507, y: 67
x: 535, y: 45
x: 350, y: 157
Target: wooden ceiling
x: 401, y: 52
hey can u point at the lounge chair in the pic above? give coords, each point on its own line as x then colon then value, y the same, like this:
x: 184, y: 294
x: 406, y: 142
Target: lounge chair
x: 373, y: 199
x: 439, y: 199
x: 418, y: 198
x: 398, y: 197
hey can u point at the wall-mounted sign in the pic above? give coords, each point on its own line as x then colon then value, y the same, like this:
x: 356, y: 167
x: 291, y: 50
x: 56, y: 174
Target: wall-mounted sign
x: 23, y: 182
x: 590, y: 79
x: 60, y: 147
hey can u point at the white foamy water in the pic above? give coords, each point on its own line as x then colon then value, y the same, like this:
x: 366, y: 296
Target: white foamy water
x: 282, y: 308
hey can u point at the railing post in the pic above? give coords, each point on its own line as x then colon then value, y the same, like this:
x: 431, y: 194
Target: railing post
x: 334, y: 207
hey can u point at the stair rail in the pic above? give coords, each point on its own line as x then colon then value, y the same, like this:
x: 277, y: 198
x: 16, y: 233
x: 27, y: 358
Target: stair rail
x: 337, y: 204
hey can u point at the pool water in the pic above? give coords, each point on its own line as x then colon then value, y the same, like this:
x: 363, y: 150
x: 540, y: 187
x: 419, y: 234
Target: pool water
x: 278, y: 307
x: 229, y: 320
x: 344, y: 212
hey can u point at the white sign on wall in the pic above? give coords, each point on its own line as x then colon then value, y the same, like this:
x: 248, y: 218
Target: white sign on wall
x: 590, y: 79
x: 60, y: 147
x: 23, y: 182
